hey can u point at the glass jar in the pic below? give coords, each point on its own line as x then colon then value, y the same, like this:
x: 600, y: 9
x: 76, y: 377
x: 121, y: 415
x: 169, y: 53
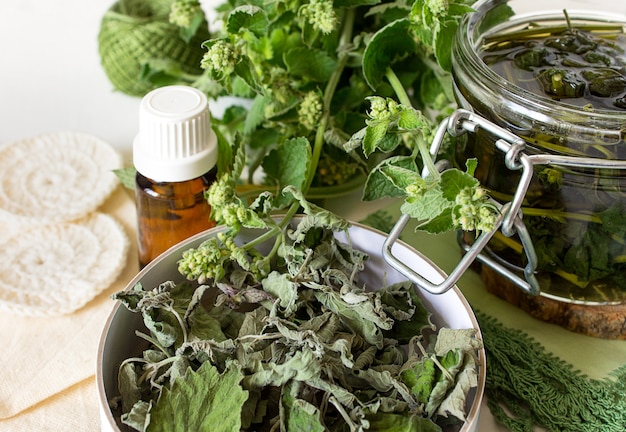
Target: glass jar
x: 575, y: 215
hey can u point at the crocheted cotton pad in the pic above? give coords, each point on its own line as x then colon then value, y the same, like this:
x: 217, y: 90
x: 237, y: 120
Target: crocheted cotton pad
x: 55, y: 177
x: 56, y: 269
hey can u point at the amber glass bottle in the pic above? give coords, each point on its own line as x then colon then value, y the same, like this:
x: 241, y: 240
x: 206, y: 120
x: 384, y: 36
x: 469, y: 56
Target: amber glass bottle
x: 175, y: 154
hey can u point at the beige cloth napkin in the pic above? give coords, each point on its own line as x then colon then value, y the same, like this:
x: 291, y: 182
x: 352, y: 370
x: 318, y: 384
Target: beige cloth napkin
x: 46, y: 357
x: 73, y: 409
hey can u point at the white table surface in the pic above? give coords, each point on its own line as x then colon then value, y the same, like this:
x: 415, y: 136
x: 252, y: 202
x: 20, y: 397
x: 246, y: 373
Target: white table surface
x: 51, y: 78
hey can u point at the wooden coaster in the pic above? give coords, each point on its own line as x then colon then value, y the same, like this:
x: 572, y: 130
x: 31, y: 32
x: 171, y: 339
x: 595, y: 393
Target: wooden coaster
x: 601, y: 321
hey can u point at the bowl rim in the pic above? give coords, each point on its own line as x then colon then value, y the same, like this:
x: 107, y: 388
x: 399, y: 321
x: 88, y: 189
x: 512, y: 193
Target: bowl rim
x: 472, y: 416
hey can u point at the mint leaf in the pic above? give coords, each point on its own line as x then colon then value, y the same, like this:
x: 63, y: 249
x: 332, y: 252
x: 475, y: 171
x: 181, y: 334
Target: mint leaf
x: 126, y: 176
x: 443, y: 42
x: 281, y: 287
x: 454, y: 404
x: 378, y: 185
x: 420, y: 378
x: 297, y: 415
x: 402, y: 177
x: 315, y: 65
x: 250, y: 18
x: 451, y: 362
x: 388, y: 45
x: 301, y: 366
x: 202, y: 400
x: 389, y: 422
x: 362, y: 318
x: 256, y: 113
x: 375, y: 133
x: 245, y: 71
x: 404, y: 305
x: 205, y: 326
x: 428, y: 206
x: 453, y: 339
x: 137, y: 417
x: 454, y: 181
x: 440, y: 224
x: 381, y: 220
x: 287, y: 165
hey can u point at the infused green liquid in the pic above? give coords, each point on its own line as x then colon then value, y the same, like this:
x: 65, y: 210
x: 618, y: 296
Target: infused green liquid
x: 576, y: 217
x: 586, y: 68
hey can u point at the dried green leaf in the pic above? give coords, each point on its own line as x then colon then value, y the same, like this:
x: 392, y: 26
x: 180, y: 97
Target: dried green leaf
x: 203, y: 400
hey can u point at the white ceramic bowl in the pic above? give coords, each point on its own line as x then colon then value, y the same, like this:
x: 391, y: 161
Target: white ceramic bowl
x: 118, y: 340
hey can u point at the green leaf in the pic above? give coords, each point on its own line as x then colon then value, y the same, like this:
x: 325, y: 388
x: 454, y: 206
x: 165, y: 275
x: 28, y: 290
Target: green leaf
x: 312, y: 64
x: 456, y: 9
x: 203, y: 400
x: 390, y: 422
x: 281, y: 287
x: 287, y: 165
x: 443, y: 44
x: 374, y: 135
x: 419, y: 377
x: 302, y: 366
x: 298, y: 415
x: 388, y: 45
x: 381, y: 220
x: 471, y: 164
x: 204, y: 326
x: 362, y: 318
x: 127, y: 383
x: 454, y: 181
x: 250, y: 18
x: 378, y: 185
x: 256, y: 114
x: 427, y: 207
x: 224, y: 151
x: 452, y: 362
x: 455, y: 402
x: 137, y: 418
x: 245, y: 70
x: 126, y: 176
x: 161, y: 72
x: 354, y: 3
x: 412, y: 119
x: 456, y: 339
x: 402, y: 177
x: 442, y: 223
x: 406, y: 307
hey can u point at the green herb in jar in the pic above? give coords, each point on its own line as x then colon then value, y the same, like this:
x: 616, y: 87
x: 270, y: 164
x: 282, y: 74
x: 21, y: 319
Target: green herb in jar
x: 583, y: 66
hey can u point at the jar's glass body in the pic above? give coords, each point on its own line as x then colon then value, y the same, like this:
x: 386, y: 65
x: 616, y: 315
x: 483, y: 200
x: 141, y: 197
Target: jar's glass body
x: 576, y: 217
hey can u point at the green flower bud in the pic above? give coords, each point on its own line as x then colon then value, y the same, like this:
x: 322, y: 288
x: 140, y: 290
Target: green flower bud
x: 321, y: 15
x: 221, y: 58
x: 310, y: 110
x: 182, y: 12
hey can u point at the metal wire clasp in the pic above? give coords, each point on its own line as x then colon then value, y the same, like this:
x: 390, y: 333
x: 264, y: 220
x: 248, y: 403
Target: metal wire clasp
x: 510, y: 219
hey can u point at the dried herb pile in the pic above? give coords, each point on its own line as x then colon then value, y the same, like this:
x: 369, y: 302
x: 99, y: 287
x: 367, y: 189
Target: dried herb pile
x: 306, y: 348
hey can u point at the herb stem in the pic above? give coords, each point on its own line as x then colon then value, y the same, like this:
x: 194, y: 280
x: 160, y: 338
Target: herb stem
x: 518, y: 248
x: 542, y: 31
x: 274, y: 231
x: 561, y: 215
x: 397, y: 86
x: 329, y: 92
x: 183, y: 327
x: 403, y: 97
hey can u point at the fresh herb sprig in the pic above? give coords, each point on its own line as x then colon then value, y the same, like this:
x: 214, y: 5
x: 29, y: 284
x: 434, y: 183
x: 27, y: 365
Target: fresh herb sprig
x: 310, y: 67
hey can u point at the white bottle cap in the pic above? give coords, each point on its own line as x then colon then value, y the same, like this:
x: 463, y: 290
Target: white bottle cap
x: 175, y: 141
